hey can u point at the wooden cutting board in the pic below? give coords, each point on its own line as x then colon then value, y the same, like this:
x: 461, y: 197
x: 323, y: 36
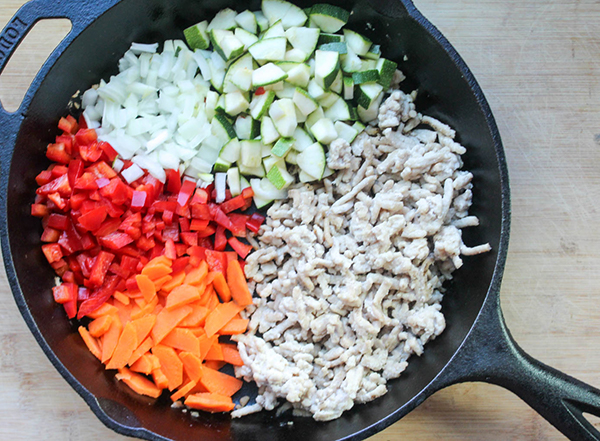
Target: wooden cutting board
x: 538, y: 63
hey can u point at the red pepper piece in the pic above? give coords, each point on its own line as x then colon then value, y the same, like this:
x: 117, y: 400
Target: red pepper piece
x: 102, y: 170
x: 222, y: 219
x: 187, y: 188
x: 201, y: 211
x: 50, y: 235
x: 200, y: 197
x: 93, y: 219
x: 259, y: 91
x: 58, y: 221
x: 233, y: 204
x: 99, y: 296
x: 75, y: 171
x: 90, y: 152
x: 117, y: 191
x: 108, y: 226
x: 145, y: 244
x: 108, y: 150
x: 68, y: 125
x: 173, y: 181
x: 101, y: 265
x: 62, y: 293
x: 86, y: 136
x: 239, y: 224
x: 59, y: 185
x: 189, y: 238
x: 116, y: 240
x: 216, y: 260
x: 87, y: 181
x: 198, y: 224
x: 254, y: 222
x: 247, y: 193
x: 129, y: 263
x: 220, y: 239
x: 44, y: 177
x: 39, y: 210
x: 180, y: 263
x: 58, y: 170
x: 53, y: 252
x: 207, y: 232
x: 184, y: 224
x: 171, y: 232
x: 241, y: 248
x: 58, y: 153
x: 58, y: 201
x: 170, y: 250
x: 138, y: 200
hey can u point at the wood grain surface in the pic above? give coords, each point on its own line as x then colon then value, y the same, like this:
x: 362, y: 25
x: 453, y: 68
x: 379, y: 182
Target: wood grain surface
x: 538, y: 63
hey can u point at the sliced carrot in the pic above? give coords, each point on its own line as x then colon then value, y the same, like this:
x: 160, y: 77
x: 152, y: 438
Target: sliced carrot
x: 118, y: 295
x: 221, y: 287
x: 212, y: 298
x: 197, y: 316
x: 192, y: 365
x: 123, y: 311
x: 206, y: 343
x: 198, y: 331
x: 235, y: 326
x: 90, y: 342
x: 196, y: 275
x: 214, y: 364
x: 215, y: 352
x: 220, y: 316
x: 231, y: 354
x: 124, y: 350
x: 182, y: 295
x: 176, y: 280
x: 143, y: 326
x: 237, y: 284
x: 157, y: 271
x: 159, y: 260
x: 111, y: 338
x: 183, y: 390
x: 158, y: 283
x: 170, y: 365
x: 138, y: 383
x: 146, y: 364
x: 98, y: 327
x: 210, y: 402
x: 182, y: 339
x: 144, y: 347
x: 145, y: 309
x: 105, y: 309
x: 160, y: 378
x: 220, y: 383
x: 146, y: 286
x: 167, y: 320
x: 210, y: 277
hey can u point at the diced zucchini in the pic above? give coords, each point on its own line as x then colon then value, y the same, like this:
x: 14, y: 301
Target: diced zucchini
x: 291, y: 157
x: 235, y: 103
x: 268, y: 132
x: 244, y: 182
x: 312, y: 160
x: 314, y: 117
x: 365, y: 76
x: 233, y: 181
x: 327, y: 64
x: 324, y: 131
x: 197, y: 36
x: 282, y: 147
x: 276, y: 30
x: 315, y: 90
x: 250, y: 153
x: 367, y: 93
x: 287, y: 91
x: 251, y: 171
x: 301, y: 139
x: 289, y: 14
x: 299, y: 75
x: 386, y: 69
x: 351, y: 62
x: 338, y: 84
x: 224, y: 19
x: 325, y: 38
x: 239, y: 75
x: 287, y: 65
x: 305, y: 103
x: 271, y: 49
x: 339, y: 111
x: 231, y: 151
x: 222, y: 129
x: 374, y: 52
x: 328, y: 99
x: 329, y: 18
x: 265, y: 192
x: 226, y: 44
x: 279, y: 176
x: 283, y: 114
x: 212, y: 98
x: 260, y: 104
x: 247, y: 20
x: 348, y: 88
x: 370, y: 113
x: 267, y: 74
x: 336, y: 47
x: 345, y: 131
x: 261, y: 21
x: 247, y: 127
x: 359, y: 126
x: 221, y: 166
x: 304, y: 39
x: 359, y: 43
x: 305, y: 177
x: 368, y: 64
x: 247, y: 38
x: 296, y: 55
x: 269, y: 161
x: 265, y: 152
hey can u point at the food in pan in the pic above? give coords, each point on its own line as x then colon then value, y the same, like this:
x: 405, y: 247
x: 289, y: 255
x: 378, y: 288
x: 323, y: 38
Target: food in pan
x: 143, y: 213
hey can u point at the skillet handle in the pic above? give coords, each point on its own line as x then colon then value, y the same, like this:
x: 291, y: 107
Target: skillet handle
x: 80, y: 12
x: 491, y: 355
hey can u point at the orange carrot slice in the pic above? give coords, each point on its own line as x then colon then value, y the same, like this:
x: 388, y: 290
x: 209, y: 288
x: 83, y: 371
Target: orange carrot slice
x: 206, y: 343
x: 90, y: 342
x: 235, y: 326
x: 118, y: 295
x: 215, y: 352
x: 105, y: 309
x: 111, y: 338
x: 197, y: 316
x: 220, y: 316
x: 146, y: 364
x: 210, y: 402
x: 196, y: 275
x: 99, y: 326
x: 124, y: 350
x: 176, y: 280
x: 183, y: 390
x: 144, y: 347
x: 182, y: 295
x: 167, y: 320
x: 237, y: 284
x: 192, y: 365
x: 170, y: 365
x: 214, y: 364
x: 231, y: 354
x: 146, y: 286
x: 143, y: 326
x: 138, y: 383
x: 182, y: 339
x: 221, y: 287
x: 220, y: 383
x: 161, y: 380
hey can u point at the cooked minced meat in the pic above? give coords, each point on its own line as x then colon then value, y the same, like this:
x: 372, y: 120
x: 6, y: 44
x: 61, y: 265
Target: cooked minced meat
x: 349, y: 271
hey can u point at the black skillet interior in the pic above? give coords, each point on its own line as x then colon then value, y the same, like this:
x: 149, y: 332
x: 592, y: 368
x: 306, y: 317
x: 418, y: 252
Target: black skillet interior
x: 445, y: 93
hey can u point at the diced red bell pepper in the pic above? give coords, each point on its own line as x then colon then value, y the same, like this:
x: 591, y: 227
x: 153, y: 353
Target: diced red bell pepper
x: 44, y: 177
x: 115, y: 241
x: 170, y: 251
x: 167, y: 217
x: 70, y: 240
x: 200, y: 196
x: 184, y: 224
x: 189, y: 238
x: 53, y: 252
x: 50, y: 235
x: 180, y: 263
x: 197, y: 254
x: 101, y: 265
x: 90, y: 152
x: 254, y: 222
x: 113, y: 210
x: 58, y: 153
x: 233, y: 204
x: 171, y: 232
x: 39, y: 210
x: 63, y: 293
x: 162, y: 206
x: 207, y: 232
x: 101, y: 169
x: 87, y: 181
x: 99, y: 296
x: 68, y: 125
x: 238, y: 221
x: 68, y: 277
x: 102, y: 182
x: 118, y: 192
x: 59, y: 202
x: 145, y: 244
x: 86, y: 136
x: 222, y: 219
x: 129, y: 263
x: 198, y: 224
x: 83, y: 293
x: 241, y: 248
x: 87, y: 241
x: 108, y: 226
x: 259, y: 91
x: 75, y: 171
x: 216, y: 260
x: 220, y: 239
x: 108, y: 150
x: 77, y: 199
x: 201, y: 211
x: 58, y: 170
x: 58, y: 221
x: 173, y: 181
x: 247, y: 193
x: 186, y: 191
x: 59, y: 185
x: 93, y: 219
x: 67, y: 140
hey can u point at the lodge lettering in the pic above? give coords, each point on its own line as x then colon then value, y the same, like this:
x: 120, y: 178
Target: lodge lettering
x: 10, y: 37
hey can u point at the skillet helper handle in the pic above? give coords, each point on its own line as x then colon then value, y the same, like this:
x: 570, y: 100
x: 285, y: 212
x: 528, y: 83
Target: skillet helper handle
x: 492, y: 356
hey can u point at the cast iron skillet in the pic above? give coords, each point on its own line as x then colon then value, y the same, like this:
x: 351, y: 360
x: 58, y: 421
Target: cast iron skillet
x: 476, y: 346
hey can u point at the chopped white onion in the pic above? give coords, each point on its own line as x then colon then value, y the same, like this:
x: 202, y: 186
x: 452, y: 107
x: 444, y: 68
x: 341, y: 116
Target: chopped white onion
x: 132, y: 173
x: 149, y: 48
x: 118, y: 165
x: 220, y: 182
